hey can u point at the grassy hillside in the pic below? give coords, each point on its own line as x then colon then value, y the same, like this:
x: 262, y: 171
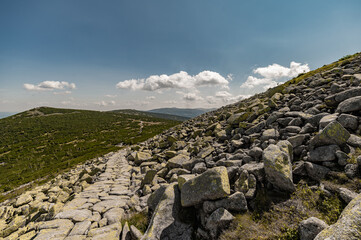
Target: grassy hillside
x: 44, y: 141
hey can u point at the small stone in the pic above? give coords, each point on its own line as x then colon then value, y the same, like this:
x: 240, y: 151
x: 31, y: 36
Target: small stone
x: 309, y: 228
x: 347, y: 195
x: 114, y: 215
x: 270, y: 134
x: 218, y: 220
x: 235, y: 202
x: 351, y: 170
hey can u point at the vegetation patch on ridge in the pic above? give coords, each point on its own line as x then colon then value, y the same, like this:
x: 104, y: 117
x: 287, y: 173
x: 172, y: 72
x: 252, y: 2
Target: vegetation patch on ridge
x: 44, y: 141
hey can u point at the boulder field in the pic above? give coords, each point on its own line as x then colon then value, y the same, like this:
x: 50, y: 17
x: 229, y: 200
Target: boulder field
x: 194, y: 179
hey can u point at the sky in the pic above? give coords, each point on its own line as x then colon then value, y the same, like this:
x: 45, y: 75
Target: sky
x: 141, y: 54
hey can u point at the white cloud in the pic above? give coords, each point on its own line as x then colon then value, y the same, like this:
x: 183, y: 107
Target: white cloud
x: 150, y: 97
x: 276, y: 71
x: 273, y: 75
x: 111, y: 96
x: 192, y: 97
x: 62, y: 93
x: 49, y: 86
x: 105, y: 103
x: 225, y: 97
x: 181, y: 80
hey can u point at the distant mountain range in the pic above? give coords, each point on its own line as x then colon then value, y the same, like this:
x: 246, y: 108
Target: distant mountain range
x: 184, y: 112
x: 6, y: 114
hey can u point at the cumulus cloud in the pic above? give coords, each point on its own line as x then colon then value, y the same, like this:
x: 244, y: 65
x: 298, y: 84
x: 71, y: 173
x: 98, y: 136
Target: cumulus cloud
x: 62, y: 93
x: 225, y: 97
x: 273, y: 75
x: 105, y: 103
x: 49, y: 86
x: 192, y: 97
x: 181, y: 80
x: 150, y: 97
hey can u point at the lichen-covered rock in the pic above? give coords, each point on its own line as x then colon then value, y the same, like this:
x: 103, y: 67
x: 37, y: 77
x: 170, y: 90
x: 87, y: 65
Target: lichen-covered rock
x: 348, y: 225
x: 167, y: 222
x: 278, y: 166
x: 141, y: 157
x: 210, y: 185
x: 177, y: 161
x: 333, y: 133
x: 310, y: 227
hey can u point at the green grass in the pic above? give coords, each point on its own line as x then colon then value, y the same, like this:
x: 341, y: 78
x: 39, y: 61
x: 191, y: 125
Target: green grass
x: 44, y: 141
x: 274, y: 218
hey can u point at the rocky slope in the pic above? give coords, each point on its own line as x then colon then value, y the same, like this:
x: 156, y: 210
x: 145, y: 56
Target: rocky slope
x: 198, y: 178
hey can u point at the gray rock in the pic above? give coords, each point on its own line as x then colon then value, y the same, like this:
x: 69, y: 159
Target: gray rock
x: 309, y: 228
x: 155, y: 197
x: 256, y: 152
x: 297, y: 140
x: 235, y: 202
x: 199, y: 168
x: 75, y: 215
x: 166, y: 222
x: 342, y: 158
x: 218, y: 220
x: 270, y: 134
x: 348, y: 226
x: 257, y: 169
x: 126, y: 235
x: 316, y: 172
x: 210, y: 185
x: 23, y: 199
x: 322, y: 154
x: 351, y: 170
x: 333, y: 133
x: 256, y: 128
x: 350, y: 105
x: 348, y: 121
x: 347, y: 195
x: 354, y: 141
x: 278, y: 167
x: 114, y: 215
x: 80, y: 228
x: 177, y: 161
x: 136, y: 234
x: 327, y: 119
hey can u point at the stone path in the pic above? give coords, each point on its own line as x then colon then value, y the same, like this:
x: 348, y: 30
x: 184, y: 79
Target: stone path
x: 94, y: 213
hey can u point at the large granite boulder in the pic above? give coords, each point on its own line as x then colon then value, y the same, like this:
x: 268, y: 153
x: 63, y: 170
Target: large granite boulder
x: 278, y: 166
x: 348, y: 225
x: 168, y: 218
x: 210, y: 185
x: 350, y: 105
x: 333, y: 133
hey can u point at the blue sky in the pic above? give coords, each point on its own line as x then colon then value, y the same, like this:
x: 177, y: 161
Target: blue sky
x: 101, y: 54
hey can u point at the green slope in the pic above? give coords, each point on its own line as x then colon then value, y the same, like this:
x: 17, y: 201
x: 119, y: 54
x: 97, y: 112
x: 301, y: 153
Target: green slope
x: 43, y: 141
